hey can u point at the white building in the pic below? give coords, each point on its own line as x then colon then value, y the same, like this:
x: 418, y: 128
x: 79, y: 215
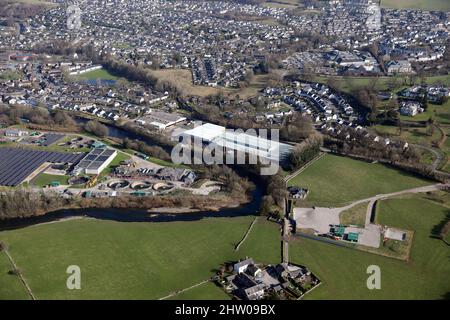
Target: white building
x: 410, y: 109
x: 160, y: 120
x: 95, y: 161
x: 400, y: 66
x: 240, y: 141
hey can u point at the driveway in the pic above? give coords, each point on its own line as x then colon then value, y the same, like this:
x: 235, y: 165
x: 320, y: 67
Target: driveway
x: 319, y: 219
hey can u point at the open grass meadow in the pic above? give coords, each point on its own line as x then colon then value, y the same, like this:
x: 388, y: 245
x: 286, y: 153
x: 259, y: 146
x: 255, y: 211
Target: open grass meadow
x: 130, y: 260
x: 10, y: 285
x: 335, y: 181
x: 207, y: 291
x: 44, y: 179
x: 96, y: 74
x: 440, y: 5
x: 121, y: 156
x: 348, y: 84
x: 343, y: 271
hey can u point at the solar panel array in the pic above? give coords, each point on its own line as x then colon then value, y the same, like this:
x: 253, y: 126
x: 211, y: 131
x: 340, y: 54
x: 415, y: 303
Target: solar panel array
x: 17, y: 164
x: 95, y: 159
x: 51, y: 138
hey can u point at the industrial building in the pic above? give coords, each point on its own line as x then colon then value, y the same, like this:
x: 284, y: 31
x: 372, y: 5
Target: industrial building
x: 160, y: 120
x: 95, y: 161
x: 239, y: 141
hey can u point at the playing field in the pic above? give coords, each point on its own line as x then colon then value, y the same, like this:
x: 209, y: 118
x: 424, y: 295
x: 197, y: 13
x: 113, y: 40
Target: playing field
x: 442, y: 5
x: 101, y: 74
x: 343, y: 270
x: 334, y: 181
x: 129, y: 260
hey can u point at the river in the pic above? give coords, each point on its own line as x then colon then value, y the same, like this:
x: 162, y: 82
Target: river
x: 132, y: 215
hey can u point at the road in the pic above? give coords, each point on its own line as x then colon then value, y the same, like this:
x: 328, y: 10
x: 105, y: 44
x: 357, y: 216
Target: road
x: 373, y: 200
x: 438, y: 156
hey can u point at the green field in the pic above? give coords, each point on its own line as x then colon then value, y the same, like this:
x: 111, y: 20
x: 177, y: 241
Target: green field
x: 355, y: 215
x: 440, y: 5
x: 131, y: 260
x: 335, y: 181
x: 121, y: 156
x: 441, y: 116
x: 10, y: 285
x: 96, y: 74
x: 343, y: 270
x: 45, y: 179
x: 348, y: 84
x: 207, y: 291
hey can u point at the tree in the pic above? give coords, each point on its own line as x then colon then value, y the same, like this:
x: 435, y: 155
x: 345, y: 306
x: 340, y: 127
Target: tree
x: 266, y: 205
x: 96, y: 128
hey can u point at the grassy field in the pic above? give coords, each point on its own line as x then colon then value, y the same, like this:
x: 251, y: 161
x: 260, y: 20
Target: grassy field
x: 45, y: 179
x: 441, y: 5
x: 10, y: 285
x: 412, y: 135
x: 182, y: 79
x: 281, y: 4
x: 96, y: 74
x: 441, y: 116
x: 355, y: 215
x: 131, y: 260
x: 55, y: 147
x: 343, y: 270
x: 207, y: 291
x: 335, y: 181
x: 347, y: 84
x: 121, y: 156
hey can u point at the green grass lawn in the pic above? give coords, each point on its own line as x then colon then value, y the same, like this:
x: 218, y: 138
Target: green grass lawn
x: 355, y: 215
x: 441, y: 5
x: 45, y: 179
x: 121, y: 156
x: 348, y: 84
x: 207, y: 291
x: 411, y: 135
x: 335, y: 181
x: 10, y: 285
x: 131, y: 260
x: 263, y: 243
x: 102, y: 74
x: 343, y: 270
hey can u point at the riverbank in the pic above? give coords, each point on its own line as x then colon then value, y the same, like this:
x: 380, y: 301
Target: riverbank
x: 23, y: 204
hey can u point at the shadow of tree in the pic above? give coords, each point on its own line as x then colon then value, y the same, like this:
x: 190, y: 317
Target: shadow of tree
x: 437, y: 229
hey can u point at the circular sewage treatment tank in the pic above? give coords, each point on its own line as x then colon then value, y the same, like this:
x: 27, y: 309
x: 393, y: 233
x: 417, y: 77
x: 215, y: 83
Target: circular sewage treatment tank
x: 141, y: 185
x: 162, y: 186
x: 118, y: 184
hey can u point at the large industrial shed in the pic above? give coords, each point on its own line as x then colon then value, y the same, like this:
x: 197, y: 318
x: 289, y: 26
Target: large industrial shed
x: 95, y: 161
x: 16, y: 164
x: 239, y: 141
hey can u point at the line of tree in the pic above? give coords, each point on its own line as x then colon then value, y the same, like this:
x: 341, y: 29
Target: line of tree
x: 141, y: 146
x: 23, y: 203
x: 96, y: 128
x: 305, y: 151
x: 40, y: 118
x: 273, y: 202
